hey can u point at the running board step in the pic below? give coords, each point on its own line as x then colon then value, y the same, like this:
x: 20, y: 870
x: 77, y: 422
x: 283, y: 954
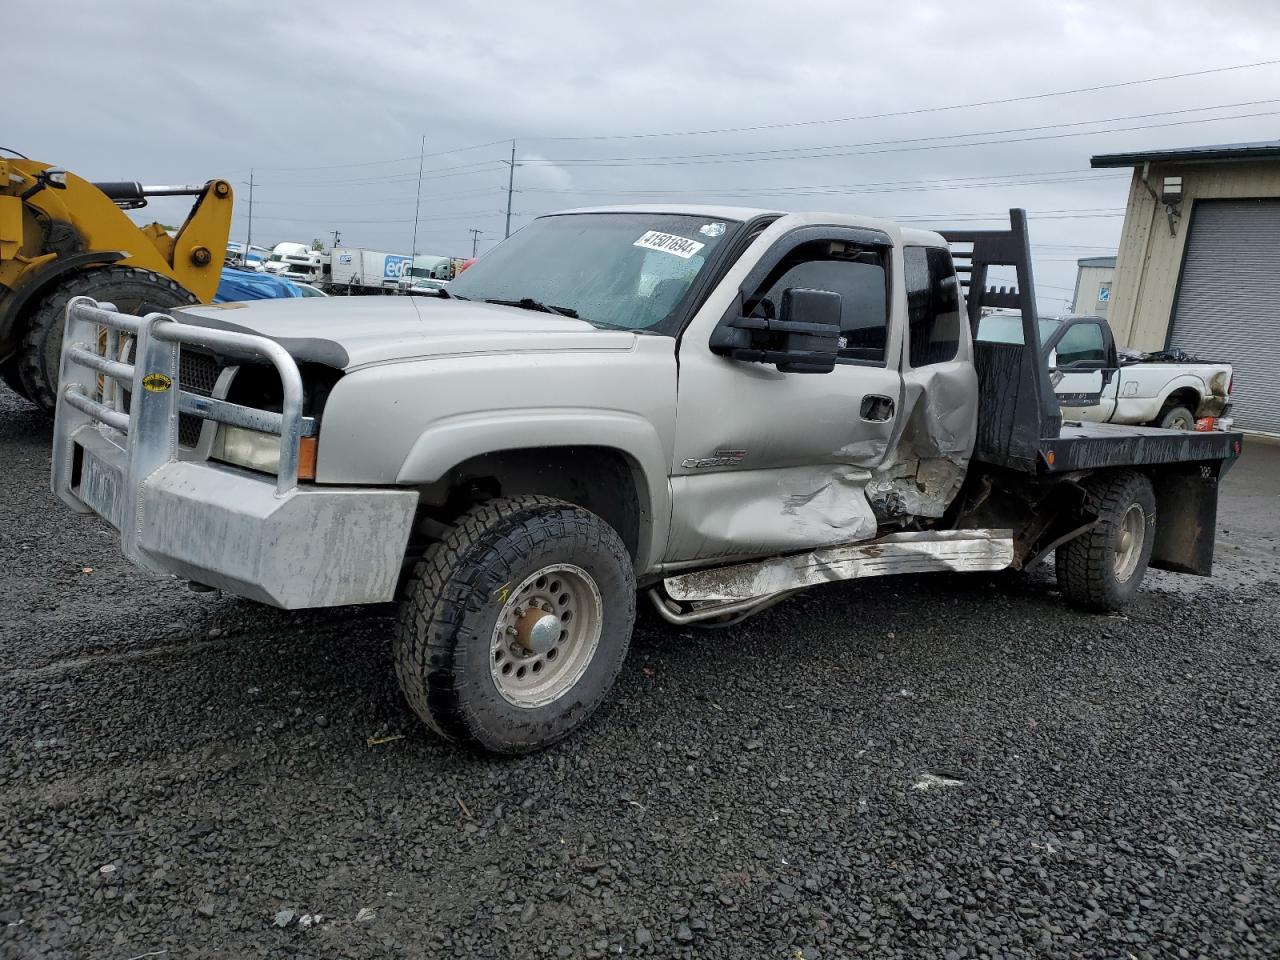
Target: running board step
x: 928, y: 551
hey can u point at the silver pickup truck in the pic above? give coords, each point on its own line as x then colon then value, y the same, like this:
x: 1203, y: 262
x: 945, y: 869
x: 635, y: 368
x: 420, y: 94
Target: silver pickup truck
x: 716, y: 406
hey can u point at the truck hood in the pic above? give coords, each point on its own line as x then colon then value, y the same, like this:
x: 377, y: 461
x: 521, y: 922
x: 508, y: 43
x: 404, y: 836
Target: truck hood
x: 352, y: 332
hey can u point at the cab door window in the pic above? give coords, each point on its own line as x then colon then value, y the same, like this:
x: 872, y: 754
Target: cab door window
x: 858, y: 274
x: 933, y: 305
x: 1082, y: 347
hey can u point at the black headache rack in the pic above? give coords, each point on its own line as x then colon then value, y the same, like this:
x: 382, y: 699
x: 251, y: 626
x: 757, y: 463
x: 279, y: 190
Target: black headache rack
x: 1020, y: 424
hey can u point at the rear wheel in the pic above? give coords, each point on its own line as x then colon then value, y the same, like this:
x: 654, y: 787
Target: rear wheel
x: 131, y: 289
x: 515, y: 625
x: 1176, y: 418
x: 1103, y: 568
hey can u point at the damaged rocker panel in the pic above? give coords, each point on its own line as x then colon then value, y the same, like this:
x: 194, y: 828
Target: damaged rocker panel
x: 911, y: 552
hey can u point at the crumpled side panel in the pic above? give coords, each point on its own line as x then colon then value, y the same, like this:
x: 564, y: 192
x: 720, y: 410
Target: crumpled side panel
x: 931, y: 455
x: 758, y: 512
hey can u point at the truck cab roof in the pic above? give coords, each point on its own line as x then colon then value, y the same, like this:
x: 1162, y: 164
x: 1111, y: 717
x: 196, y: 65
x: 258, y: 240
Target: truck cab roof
x: 909, y: 235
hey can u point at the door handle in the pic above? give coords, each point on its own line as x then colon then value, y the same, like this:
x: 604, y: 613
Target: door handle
x: 876, y: 408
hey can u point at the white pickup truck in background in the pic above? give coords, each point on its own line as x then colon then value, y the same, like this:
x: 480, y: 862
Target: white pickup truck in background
x: 1094, y: 381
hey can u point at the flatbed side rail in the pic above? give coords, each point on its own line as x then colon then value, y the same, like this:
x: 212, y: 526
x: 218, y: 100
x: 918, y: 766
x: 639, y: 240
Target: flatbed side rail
x: 96, y: 372
x: 1018, y: 408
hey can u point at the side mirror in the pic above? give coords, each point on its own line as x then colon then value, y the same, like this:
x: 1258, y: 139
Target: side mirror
x: 1055, y: 375
x: 804, y: 339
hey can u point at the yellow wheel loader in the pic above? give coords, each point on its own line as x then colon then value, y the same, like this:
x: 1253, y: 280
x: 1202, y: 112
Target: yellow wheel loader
x: 62, y: 237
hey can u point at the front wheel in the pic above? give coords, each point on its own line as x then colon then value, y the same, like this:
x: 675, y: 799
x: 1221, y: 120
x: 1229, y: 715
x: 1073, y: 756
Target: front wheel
x: 1102, y: 568
x: 515, y: 626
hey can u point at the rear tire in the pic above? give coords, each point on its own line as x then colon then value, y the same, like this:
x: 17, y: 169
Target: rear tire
x: 515, y: 626
x: 1102, y: 569
x: 131, y: 289
x: 1176, y: 418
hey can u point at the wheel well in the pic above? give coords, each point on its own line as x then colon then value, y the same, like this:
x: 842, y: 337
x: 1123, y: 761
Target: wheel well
x: 1182, y: 397
x: 600, y: 479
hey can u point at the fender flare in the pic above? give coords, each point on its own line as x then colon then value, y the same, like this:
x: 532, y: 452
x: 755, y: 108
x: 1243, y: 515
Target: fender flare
x: 13, y: 307
x: 449, y: 442
x: 1183, y: 381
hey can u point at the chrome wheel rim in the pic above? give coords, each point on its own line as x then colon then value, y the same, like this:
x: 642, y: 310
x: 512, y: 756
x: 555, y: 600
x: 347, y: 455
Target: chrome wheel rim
x: 546, y: 635
x: 1178, y: 423
x: 1133, y: 529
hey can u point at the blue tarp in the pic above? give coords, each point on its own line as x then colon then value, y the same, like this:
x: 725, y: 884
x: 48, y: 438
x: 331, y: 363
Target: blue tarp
x: 247, y: 285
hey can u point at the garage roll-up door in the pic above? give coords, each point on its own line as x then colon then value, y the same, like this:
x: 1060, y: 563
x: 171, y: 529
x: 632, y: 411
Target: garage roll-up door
x: 1228, y: 306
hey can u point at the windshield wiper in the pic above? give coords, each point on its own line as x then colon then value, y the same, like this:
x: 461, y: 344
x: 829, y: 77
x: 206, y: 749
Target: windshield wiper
x: 528, y: 303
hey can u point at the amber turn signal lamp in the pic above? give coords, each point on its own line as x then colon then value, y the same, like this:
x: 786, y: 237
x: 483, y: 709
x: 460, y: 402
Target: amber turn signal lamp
x: 307, y: 458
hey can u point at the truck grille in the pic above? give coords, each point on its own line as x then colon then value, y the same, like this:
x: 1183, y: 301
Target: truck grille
x: 197, y: 373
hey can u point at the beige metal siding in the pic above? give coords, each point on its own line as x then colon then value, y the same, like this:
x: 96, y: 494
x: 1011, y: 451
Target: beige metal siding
x: 1150, y: 258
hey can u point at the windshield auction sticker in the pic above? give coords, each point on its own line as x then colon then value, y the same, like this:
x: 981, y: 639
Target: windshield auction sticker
x: 669, y: 243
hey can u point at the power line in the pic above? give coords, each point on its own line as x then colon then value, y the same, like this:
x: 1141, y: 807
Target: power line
x: 888, y: 186
x: 374, y: 163
x: 1073, y: 246
x: 918, y: 110
x: 762, y: 156
x: 949, y: 136
x: 466, y: 215
x: 400, y: 201
x: 437, y: 173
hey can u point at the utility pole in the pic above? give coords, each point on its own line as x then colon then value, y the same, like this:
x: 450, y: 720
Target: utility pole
x: 475, y: 238
x: 417, y: 203
x: 337, y: 238
x: 511, y: 181
x: 248, y: 240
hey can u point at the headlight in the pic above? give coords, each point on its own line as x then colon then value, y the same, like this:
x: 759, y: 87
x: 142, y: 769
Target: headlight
x: 260, y: 451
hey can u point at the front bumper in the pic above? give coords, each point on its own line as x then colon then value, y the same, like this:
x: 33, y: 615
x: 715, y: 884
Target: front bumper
x: 274, y: 542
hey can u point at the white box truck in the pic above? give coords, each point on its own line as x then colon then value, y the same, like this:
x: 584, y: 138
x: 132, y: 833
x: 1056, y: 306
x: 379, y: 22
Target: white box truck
x: 353, y: 270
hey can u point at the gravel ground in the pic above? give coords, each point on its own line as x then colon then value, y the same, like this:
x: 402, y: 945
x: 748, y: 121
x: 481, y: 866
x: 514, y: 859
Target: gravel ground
x: 928, y: 767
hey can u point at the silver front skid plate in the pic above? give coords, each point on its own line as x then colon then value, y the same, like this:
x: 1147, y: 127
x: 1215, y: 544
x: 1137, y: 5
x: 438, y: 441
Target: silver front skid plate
x: 928, y: 551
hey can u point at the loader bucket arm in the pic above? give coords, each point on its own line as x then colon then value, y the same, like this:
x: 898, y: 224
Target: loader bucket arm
x: 77, y: 217
x: 201, y: 243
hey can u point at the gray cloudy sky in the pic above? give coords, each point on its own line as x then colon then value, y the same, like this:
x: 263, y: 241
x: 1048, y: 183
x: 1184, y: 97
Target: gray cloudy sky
x: 318, y: 97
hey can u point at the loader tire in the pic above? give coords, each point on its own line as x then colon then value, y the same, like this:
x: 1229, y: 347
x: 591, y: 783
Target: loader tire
x: 515, y: 625
x: 1102, y: 569
x: 131, y: 289
x: 9, y: 374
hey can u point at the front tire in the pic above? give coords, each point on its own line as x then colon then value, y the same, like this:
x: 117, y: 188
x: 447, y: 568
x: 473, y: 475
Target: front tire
x: 1102, y: 569
x: 131, y: 289
x: 515, y: 626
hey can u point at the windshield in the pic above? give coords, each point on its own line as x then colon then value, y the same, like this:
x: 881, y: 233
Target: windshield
x: 629, y: 270
x: 1007, y: 328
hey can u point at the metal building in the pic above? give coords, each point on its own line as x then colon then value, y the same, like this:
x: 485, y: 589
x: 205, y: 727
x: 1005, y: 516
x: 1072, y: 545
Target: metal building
x: 1199, y: 264
x: 1094, y: 277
